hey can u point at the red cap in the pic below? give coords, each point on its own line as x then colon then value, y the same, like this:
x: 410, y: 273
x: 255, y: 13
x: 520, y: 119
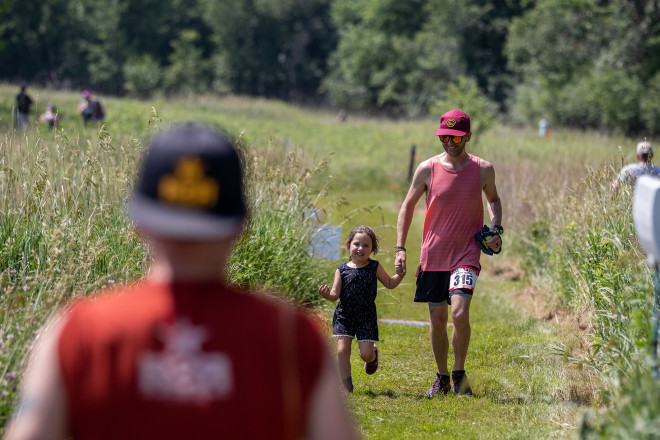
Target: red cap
x: 454, y: 123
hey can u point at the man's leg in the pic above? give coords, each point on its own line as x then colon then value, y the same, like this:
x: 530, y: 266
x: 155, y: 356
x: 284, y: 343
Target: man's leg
x: 440, y: 345
x: 460, y: 315
x: 439, y: 340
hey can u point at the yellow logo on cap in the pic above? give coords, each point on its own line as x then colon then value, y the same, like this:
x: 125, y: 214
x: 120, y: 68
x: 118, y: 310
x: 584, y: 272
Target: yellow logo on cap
x: 451, y: 122
x: 188, y: 186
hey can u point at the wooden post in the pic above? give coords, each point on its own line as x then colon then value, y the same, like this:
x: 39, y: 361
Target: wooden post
x: 412, y: 163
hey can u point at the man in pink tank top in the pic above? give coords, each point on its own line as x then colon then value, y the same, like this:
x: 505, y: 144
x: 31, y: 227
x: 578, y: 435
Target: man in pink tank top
x: 449, y: 263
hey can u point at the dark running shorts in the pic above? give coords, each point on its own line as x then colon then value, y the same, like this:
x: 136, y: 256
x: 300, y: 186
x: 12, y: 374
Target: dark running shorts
x: 362, y: 329
x: 433, y: 288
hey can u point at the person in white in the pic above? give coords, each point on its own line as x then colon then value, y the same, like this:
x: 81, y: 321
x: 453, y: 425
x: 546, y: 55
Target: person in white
x: 644, y: 166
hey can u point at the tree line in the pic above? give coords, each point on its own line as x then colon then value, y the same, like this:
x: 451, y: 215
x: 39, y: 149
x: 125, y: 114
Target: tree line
x: 580, y: 63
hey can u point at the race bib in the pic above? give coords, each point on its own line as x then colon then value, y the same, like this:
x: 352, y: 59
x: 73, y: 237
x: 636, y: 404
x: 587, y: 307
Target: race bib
x: 463, y: 278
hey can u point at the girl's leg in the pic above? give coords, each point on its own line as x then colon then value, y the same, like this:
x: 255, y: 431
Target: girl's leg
x: 367, y: 351
x: 344, y: 356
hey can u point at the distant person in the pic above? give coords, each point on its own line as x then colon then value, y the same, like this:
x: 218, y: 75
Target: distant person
x: 355, y: 286
x: 644, y: 166
x: 453, y: 182
x: 23, y: 104
x: 91, y: 108
x: 50, y: 116
x: 182, y: 354
x: 544, y: 128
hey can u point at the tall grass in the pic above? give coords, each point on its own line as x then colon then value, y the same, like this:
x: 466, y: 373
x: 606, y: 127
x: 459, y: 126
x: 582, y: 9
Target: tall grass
x: 63, y: 231
x: 276, y: 250
x: 585, y: 246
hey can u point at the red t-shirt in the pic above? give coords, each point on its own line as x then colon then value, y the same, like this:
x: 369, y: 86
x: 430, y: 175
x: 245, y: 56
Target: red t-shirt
x: 188, y: 360
x: 454, y: 214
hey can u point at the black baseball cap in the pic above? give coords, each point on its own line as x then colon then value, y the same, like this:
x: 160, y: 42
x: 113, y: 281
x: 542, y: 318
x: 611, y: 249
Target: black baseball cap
x: 190, y: 186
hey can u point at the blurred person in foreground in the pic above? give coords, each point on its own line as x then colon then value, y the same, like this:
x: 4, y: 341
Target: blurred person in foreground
x: 449, y: 263
x: 643, y: 166
x: 182, y: 354
x: 23, y: 104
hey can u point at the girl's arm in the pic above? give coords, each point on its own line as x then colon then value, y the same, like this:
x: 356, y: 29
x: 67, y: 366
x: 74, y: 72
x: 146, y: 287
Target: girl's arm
x: 332, y: 294
x: 389, y: 282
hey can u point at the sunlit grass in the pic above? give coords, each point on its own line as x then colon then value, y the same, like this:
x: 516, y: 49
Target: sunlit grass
x: 63, y: 232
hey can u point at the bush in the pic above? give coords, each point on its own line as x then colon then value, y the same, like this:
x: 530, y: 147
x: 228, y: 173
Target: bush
x: 650, y: 105
x: 188, y: 71
x: 274, y: 251
x: 465, y: 95
x: 142, y: 76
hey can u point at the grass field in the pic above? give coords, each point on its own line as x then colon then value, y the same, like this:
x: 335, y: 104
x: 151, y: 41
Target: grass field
x: 63, y: 233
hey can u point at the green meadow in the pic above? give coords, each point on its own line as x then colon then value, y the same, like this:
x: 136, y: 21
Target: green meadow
x: 550, y: 355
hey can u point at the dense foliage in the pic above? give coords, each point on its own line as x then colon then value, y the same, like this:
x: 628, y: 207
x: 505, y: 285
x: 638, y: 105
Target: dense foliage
x: 588, y: 63
x: 404, y: 55
x: 583, y: 63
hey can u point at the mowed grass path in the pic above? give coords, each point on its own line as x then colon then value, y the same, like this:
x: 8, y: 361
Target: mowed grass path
x: 522, y: 389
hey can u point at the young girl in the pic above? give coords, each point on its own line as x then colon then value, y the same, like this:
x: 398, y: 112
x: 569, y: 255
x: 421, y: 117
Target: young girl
x: 355, y: 286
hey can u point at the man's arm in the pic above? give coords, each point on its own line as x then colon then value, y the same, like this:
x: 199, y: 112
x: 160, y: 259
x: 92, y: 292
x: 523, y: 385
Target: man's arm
x: 420, y: 182
x: 494, y: 202
x: 41, y: 412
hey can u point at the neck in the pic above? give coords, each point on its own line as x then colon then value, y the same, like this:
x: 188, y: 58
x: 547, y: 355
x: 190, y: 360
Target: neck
x: 190, y: 261
x: 455, y: 162
x: 356, y: 265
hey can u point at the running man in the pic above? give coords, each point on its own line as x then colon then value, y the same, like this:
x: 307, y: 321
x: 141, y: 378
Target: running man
x: 449, y: 263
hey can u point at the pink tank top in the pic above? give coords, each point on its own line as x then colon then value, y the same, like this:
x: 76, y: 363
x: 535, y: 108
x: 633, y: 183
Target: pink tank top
x: 454, y: 214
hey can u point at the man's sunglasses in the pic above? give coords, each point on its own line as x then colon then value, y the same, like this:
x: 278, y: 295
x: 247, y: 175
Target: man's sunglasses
x: 456, y: 139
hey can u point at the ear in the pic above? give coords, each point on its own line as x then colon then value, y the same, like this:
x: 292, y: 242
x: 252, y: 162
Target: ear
x: 468, y: 135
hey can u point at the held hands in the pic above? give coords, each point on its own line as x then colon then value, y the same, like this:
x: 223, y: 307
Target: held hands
x: 400, y: 262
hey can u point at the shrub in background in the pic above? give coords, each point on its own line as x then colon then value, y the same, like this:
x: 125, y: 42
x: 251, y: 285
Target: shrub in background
x: 142, y: 76
x: 187, y: 71
x: 274, y: 251
x: 465, y: 95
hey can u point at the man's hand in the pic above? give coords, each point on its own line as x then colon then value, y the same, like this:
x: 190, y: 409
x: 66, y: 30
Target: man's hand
x: 489, y: 239
x: 400, y: 262
x: 495, y: 243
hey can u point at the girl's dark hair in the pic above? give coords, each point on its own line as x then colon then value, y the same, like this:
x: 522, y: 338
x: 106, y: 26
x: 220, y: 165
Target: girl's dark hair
x: 363, y: 230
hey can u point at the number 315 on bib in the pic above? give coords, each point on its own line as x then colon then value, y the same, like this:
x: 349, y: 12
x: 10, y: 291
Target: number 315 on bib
x: 463, y: 278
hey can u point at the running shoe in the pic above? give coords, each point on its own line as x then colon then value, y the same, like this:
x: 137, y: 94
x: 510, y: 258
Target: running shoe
x: 441, y: 385
x: 371, y: 367
x: 460, y: 383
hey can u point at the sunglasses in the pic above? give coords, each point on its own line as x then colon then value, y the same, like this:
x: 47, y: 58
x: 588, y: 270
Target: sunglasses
x: 455, y: 139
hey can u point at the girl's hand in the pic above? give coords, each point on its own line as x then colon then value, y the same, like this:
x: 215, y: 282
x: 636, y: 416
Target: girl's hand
x: 324, y: 290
